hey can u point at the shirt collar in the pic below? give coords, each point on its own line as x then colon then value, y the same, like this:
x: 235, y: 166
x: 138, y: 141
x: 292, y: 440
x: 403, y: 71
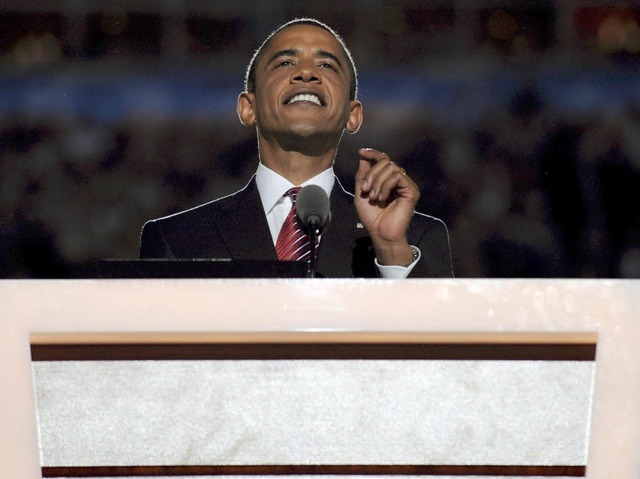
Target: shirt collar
x: 272, y: 186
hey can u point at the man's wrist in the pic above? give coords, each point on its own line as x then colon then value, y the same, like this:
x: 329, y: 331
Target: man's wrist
x: 396, y: 255
x: 398, y: 272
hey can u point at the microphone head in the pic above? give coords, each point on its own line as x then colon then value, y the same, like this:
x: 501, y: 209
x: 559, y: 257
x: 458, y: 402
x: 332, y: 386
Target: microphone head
x: 312, y: 207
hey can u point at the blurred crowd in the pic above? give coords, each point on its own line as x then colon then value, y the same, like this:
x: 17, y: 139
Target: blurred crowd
x: 525, y: 191
x: 75, y: 191
x: 531, y: 192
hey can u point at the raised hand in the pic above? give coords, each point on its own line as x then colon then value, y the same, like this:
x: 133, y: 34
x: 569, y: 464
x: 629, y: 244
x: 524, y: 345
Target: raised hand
x: 385, y: 198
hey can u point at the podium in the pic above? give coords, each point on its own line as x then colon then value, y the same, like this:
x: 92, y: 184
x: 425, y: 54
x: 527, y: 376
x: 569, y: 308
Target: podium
x: 299, y: 378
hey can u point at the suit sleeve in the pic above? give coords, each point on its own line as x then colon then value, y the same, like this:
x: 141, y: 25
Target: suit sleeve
x: 153, y: 243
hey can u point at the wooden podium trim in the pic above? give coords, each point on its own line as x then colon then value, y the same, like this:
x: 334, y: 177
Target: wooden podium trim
x: 301, y: 470
x: 313, y: 351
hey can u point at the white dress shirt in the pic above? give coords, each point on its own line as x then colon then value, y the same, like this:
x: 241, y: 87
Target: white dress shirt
x: 272, y: 187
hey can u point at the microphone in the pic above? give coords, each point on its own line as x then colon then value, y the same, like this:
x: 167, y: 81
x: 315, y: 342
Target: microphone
x: 314, y: 212
x: 312, y: 207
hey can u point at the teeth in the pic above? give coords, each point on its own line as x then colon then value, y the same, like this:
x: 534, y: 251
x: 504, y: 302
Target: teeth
x: 306, y: 97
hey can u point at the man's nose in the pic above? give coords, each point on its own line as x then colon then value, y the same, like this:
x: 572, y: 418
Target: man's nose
x: 306, y: 73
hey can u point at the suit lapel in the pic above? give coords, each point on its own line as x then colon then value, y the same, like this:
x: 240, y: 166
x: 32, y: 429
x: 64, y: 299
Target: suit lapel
x: 243, y: 227
x: 335, y: 255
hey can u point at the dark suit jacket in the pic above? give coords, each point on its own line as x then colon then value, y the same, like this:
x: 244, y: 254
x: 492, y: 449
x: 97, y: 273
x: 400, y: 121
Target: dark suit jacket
x: 235, y: 227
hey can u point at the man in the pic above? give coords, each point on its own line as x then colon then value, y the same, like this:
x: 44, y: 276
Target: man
x: 300, y: 95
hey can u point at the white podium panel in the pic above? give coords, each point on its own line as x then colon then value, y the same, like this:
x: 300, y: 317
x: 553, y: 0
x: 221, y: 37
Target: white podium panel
x: 446, y: 378
x: 293, y: 412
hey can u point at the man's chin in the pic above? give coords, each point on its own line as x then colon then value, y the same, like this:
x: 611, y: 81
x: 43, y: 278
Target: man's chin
x: 306, y: 131
x: 309, y: 129
x: 310, y: 140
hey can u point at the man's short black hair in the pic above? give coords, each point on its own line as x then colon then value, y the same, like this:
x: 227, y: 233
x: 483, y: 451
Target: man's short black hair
x: 250, y: 76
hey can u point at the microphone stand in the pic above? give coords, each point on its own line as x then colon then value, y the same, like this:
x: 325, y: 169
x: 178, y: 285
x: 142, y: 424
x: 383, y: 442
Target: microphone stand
x: 313, y: 239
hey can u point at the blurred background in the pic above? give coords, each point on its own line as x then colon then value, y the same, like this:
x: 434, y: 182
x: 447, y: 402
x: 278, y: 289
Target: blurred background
x: 520, y: 120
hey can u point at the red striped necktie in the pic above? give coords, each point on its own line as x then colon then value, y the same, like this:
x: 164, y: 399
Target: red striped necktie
x: 292, y: 243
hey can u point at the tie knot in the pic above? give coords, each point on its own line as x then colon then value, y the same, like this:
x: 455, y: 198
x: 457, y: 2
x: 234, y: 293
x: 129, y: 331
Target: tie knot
x: 293, y: 193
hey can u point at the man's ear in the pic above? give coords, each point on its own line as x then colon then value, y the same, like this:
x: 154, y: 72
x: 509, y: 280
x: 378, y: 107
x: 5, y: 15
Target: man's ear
x: 246, y: 112
x: 354, y: 121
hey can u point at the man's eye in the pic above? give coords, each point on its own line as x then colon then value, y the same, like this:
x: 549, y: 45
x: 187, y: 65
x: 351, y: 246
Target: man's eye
x: 328, y: 65
x: 285, y: 63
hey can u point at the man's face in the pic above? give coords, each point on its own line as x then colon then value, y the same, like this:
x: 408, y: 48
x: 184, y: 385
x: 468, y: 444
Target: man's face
x: 302, y: 85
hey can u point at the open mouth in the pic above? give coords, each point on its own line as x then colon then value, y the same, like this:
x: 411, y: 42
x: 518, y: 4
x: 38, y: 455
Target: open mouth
x: 305, y: 97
